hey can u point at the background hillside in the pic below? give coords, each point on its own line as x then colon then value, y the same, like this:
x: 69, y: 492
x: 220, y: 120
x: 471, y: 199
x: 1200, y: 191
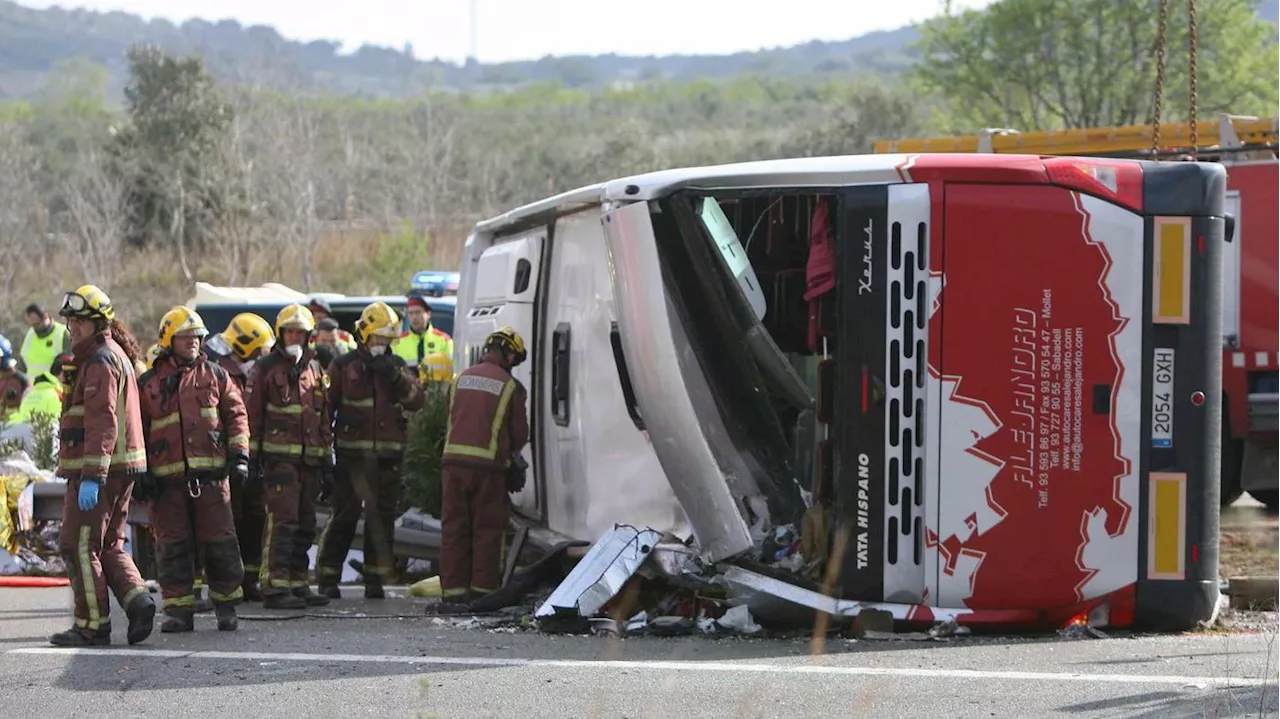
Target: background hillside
x: 32, y: 42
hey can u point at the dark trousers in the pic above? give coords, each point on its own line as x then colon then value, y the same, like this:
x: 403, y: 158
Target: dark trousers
x: 178, y: 518
x: 250, y: 512
x: 474, y: 516
x: 290, y: 488
x: 92, y: 545
x: 371, y: 485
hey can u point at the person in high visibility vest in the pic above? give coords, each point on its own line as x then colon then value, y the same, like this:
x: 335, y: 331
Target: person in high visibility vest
x: 341, y: 340
x: 422, y: 338
x: 44, y: 341
x: 43, y: 397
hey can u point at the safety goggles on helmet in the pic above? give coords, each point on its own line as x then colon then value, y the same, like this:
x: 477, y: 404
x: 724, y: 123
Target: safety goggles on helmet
x: 87, y: 302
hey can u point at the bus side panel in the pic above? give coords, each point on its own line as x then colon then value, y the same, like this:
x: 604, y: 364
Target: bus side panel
x: 1178, y: 571
x: 1040, y: 397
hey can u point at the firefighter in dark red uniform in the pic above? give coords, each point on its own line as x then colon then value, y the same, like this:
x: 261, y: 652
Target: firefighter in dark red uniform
x: 487, y: 428
x: 370, y: 393
x: 100, y: 454
x: 293, y: 445
x: 247, y: 339
x: 197, y: 437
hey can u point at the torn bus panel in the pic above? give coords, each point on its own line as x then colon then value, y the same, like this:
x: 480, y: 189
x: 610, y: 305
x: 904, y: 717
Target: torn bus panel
x: 612, y: 560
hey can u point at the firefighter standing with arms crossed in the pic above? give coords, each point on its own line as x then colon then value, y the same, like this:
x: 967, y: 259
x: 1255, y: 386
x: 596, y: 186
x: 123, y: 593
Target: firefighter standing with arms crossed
x: 100, y: 454
x: 293, y: 449
x: 370, y: 390
x: 197, y: 434
x: 488, y: 427
x: 246, y: 340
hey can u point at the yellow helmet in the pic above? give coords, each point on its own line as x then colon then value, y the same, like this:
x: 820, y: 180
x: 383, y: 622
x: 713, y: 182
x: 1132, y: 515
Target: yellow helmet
x: 153, y: 354
x: 180, y: 320
x: 437, y: 367
x: 87, y: 302
x: 377, y: 320
x: 509, y: 341
x: 247, y: 334
x: 295, y: 317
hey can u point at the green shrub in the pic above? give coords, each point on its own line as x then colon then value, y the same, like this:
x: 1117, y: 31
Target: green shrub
x: 427, y: 430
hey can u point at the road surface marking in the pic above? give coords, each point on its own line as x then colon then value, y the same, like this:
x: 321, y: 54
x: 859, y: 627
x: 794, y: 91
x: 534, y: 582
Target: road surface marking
x: 742, y: 667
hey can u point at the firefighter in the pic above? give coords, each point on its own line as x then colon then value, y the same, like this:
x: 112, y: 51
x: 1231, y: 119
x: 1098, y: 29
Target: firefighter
x: 101, y: 453
x: 245, y: 341
x: 343, y: 342
x: 197, y: 434
x: 13, y: 384
x: 370, y: 392
x: 292, y: 445
x: 422, y: 338
x: 487, y: 428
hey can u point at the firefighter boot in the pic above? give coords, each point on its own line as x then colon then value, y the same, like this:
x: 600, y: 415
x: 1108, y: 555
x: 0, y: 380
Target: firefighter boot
x: 178, y: 620
x: 311, y: 598
x: 142, y: 616
x: 76, y: 637
x: 373, y: 588
x: 203, y: 605
x: 331, y: 591
x: 252, y: 592
x: 227, y: 619
x: 283, y: 601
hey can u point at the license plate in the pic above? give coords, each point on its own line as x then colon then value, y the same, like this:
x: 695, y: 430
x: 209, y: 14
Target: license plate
x: 1162, y: 399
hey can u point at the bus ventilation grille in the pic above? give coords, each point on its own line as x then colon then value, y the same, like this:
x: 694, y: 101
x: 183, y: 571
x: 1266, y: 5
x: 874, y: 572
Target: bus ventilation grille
x: 907, y: 362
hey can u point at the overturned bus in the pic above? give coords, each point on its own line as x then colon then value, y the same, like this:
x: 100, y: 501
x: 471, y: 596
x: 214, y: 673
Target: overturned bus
x: 980, y: 388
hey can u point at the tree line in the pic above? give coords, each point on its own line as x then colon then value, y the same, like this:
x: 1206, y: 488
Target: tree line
x: 240, y: 183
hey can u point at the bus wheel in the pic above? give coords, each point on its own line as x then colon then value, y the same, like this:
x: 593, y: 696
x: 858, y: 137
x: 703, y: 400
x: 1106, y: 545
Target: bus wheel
x: 1267, y: 497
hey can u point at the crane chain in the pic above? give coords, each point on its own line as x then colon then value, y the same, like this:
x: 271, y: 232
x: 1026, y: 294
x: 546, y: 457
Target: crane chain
x: 1191, y: 46
x: 1155, y: 120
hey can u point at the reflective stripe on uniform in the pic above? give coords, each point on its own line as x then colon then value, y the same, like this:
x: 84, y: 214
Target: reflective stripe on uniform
x: 165, y: 421
x: 495, y: 430
x: 287, y: 409
x: 369, y: 444
x: 236, y: 595
x: 75, y: 411
x: 357, y: 402
x: 187, y: 600
x: 291, y: 450
x: 209, y: 412
x: 238, y: 441
x: 179, y: 467
x: 87, y: 584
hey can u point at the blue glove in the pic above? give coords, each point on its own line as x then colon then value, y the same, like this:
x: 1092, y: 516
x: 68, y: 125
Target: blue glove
x: 88, y: 494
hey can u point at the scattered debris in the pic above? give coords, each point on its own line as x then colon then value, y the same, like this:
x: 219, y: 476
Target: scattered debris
x: 1081, y: 630
x: 612, y: 560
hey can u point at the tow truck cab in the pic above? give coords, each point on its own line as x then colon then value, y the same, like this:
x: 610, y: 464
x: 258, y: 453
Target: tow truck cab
x: 1000, y: 373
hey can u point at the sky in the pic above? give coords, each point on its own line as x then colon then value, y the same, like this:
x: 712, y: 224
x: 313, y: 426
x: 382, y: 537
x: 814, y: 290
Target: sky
x: 529, y: 29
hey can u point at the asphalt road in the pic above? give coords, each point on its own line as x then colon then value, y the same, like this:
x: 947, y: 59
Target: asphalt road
x: 424, y: 667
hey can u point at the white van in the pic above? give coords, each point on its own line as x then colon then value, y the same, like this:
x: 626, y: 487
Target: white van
x: 956, y: 353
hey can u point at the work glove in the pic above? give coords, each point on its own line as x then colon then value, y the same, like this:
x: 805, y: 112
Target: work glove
x: 238, y: 469
x: 88, y: 494
x: 326, y: 483
x: 516, y: 474
x: 386, y: 367
x: 145, y: 489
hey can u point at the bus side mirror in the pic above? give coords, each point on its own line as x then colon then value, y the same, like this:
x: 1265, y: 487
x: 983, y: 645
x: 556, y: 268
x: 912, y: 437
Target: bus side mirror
x: 1229, y: 230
